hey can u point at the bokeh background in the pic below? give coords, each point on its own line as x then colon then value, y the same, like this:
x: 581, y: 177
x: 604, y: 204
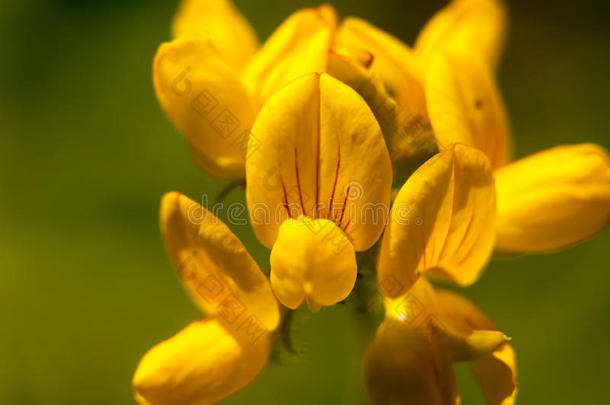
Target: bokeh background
x: 85, y: 155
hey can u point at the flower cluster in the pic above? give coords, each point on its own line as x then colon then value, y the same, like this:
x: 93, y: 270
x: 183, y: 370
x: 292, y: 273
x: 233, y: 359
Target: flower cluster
x: 346, y: 134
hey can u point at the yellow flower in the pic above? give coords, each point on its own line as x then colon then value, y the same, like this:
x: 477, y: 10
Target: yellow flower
x: 212, y: 79
x: 318, y: 188
x: 441, y: 227
x: 424, y: 331
x: 213, y: 357
x: 547, y: 201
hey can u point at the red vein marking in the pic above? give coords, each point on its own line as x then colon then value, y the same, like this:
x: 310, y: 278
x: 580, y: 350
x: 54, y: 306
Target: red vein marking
x: 332, y: 197
x: 286, y: 199
x: 296, y: 167
x: 349, y: 221
x: 317, y: 206
x: 344, y: 205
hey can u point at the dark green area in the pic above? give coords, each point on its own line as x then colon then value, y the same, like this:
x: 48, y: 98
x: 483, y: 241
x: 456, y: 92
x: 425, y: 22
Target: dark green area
x: 85, y: 155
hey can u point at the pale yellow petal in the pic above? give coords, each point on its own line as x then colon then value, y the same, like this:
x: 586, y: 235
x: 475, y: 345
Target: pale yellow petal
x: 216, y: 269
x: 476, y: 27
x: 442, y: 222
x: 553, y: 199
x: 312, y: 260
x: 465, y: 106
x: 207, y: 102
x: 393, y: 62
x: 220, y: 22
x: 321, y: 155
x: 402, y: 365
x: 496, y: 372
x: 203, y: 364
x: 298, y: 47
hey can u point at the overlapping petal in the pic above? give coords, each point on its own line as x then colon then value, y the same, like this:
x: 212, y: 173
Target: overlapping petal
x: 442, y: 221
x: 403, y: 366
x: 321, y: 155
x: 473, y: 27
x: 214, y: 266
x: 465, y: 106
x: 312, y: 260
x: 495, y: 372
x: 202, y: 364
x: 206, y: 101
x: 298, y: 47
x: 393, y: 61
x: 220, y: 22
x: 553, y: 199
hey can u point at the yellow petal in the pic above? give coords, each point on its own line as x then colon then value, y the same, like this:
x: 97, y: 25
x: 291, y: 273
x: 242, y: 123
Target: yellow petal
x: 201, y: 365
x: 442, y: 222
x: 393, y: 61
x: 221, y: 23
x: 475, y: 27
x: 215, y: 268
x: 407, y: 139
x: 496, y: 372
x: 465, y: 106
x: 312, y: 260
x: 207, y: 102
x: 553, y: 199
x: 321, y: 155
x: 403, y: 366
x: 298, y: 47
x: 421, y: 310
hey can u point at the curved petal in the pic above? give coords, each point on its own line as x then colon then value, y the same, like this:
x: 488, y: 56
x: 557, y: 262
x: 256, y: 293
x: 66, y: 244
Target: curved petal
x: 442, y: 222
x: 221, y: 23
x: 496, y: 372
x: 203, y: 364
x: 470, y: 27
x: 208, y: 104
x: 393, y: 61
x: 312, y: 260
x: 465, y: 106
x: 421, y: 310
x: 403, y: 366
x: 215, y: 268
x: 553, y: 199
x: 298, y: 47
x: 321, y: 155
x: 407, y: 138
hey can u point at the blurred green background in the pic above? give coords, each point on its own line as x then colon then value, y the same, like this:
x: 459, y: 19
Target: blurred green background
x: 85, y: 155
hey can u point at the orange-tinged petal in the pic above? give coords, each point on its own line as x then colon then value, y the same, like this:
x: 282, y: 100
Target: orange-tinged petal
x: 442, y: 222
x: 221, y: 23
x: 393, y: 61
x: 553, y: 199
x: 465, y: 106
x: 475, y: 27
x: 312, y: 260
x: 407, y: 138
x: 298, y: 47
x: 207, y: 102
x: 420, y: 309
x: 321, y: 155
x: 203, y: 364
x: 496, y: 372
x: 402, y: 365
x: 215, y: 268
